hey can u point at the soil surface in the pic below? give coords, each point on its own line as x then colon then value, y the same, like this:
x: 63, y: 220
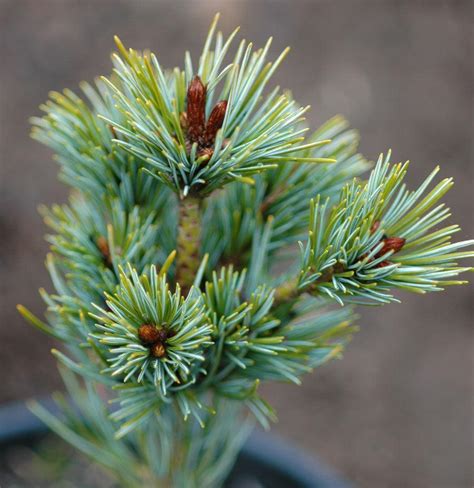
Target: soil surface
x: 397, y: 411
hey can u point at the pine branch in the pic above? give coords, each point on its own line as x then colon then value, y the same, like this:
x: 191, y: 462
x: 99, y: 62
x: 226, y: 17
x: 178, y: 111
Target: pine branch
x: 242, y: 136
x: 153, y: 336
x: 378, y: 238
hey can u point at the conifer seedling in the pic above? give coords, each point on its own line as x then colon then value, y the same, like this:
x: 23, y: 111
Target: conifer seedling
x: 212, y: 243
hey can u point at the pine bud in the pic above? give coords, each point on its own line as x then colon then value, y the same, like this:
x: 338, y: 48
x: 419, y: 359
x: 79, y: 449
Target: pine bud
x: 148, y: 334
x: 158, y: 349
x: 215, y: 121
x: 103, y: 247
x: 391, y: 244
x: 196, y: 109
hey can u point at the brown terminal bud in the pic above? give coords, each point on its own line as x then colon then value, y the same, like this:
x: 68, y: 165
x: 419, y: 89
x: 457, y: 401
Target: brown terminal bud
x: 103, y: 247
x: 148, y: 334
x: 158, y: 349
x: 382, y: 264
x: 196, y: 109
x: 391, y: 244
x: 215, y: 121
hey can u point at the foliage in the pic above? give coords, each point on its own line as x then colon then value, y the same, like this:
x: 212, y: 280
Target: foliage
x: 153, y: 453
x: 254, y: 134
x: 153, y: 335
x: 234, y: 217
x: 351, y: 251
x: 177, y: 290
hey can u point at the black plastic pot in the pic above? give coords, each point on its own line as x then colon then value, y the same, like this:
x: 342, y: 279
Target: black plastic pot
x: 265, y: 460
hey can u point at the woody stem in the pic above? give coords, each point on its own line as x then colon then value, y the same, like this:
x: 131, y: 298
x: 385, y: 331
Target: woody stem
x: 188, y: 242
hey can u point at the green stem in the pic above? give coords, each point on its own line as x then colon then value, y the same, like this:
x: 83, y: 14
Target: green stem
x: 287, y: 291
x: 188, y: 242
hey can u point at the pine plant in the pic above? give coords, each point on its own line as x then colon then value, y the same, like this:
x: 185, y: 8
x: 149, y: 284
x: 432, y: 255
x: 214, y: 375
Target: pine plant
x: 179, y: 286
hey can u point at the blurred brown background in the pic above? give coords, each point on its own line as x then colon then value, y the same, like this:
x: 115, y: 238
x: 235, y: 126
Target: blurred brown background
x: 397, y: 411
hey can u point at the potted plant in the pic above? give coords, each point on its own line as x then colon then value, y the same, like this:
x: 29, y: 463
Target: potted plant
x: 179, y: 287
